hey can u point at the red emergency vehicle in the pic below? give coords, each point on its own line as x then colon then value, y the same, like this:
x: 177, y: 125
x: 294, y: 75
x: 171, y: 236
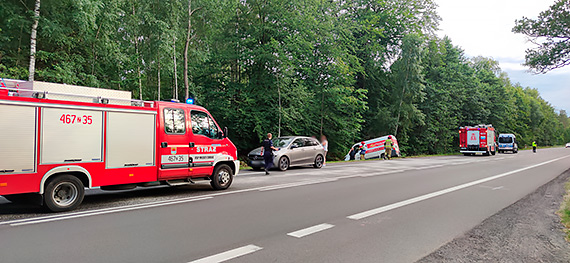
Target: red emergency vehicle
x: 56, y: 140
x: 477, y: 139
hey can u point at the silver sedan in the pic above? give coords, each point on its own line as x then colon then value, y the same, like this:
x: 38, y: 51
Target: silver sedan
x: 293, y: 151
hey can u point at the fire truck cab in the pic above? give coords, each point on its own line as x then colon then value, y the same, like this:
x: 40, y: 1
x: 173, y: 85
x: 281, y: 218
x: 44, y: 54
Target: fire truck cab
x: 56, y: 140
x: 480, y: 139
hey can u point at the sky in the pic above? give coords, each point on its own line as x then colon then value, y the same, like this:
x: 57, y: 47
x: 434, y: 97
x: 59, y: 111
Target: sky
x: 483, y: 28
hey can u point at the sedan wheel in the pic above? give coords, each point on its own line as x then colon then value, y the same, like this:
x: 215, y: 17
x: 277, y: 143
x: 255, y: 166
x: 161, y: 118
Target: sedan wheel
x: 283, y: 163
x: 318, y: 161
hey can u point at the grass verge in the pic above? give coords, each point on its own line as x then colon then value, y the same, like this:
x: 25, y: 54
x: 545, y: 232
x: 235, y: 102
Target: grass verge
x: 564, y: 211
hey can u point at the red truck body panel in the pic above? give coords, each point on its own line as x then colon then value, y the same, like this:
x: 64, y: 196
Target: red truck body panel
x: 118, y: 158
x: 477, y: 139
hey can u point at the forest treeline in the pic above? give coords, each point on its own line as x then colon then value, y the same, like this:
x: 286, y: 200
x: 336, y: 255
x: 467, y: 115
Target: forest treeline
x: 351, y: 70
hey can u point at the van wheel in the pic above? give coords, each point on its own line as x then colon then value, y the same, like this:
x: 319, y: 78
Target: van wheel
x: 222, y: 177
x: 283, y: 163
x: 63, y: 193
x: 318, y: 162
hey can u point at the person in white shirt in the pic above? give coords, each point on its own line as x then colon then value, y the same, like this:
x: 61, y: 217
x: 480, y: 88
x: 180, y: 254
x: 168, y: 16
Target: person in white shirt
x: 325, y: 145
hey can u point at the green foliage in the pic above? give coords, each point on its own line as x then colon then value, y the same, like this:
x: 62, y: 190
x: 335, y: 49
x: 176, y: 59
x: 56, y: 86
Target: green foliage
x: 351, y: 70
x: 550, y: 32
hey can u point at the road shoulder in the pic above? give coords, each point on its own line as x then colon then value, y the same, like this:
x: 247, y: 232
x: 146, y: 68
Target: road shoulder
x: 527, y: 231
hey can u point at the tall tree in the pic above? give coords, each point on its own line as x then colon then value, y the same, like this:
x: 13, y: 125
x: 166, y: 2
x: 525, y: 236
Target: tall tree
x: 550, y: 32
x: 409, y: 85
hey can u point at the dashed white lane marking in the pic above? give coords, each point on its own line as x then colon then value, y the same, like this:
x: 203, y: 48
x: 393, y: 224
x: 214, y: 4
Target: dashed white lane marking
x: 92, y: 213
x: 310, y: 230
x: 442, y: 192
x: 498, y: 188
x: 231, y: 254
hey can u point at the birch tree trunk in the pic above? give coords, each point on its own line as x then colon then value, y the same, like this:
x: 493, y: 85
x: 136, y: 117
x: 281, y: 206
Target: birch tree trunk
x: 158, y: 52
x: 186, y: 83
x: 189, y: 37
x: 175, y: 90
x: 32, y: 69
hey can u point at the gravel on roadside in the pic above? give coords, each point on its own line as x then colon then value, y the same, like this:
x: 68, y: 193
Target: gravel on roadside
x: 527, y: 231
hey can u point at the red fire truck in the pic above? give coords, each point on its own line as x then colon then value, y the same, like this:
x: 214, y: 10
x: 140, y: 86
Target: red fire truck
x: 56, y: 140
x: 478, y: 139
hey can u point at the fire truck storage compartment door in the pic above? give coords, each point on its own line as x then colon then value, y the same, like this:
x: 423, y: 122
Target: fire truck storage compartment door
x: 17, y: 139
x: 130, y: 139
x: 472, y: 137
x: 71, y: 136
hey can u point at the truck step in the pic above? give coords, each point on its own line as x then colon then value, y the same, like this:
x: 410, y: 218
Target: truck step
x: 180, y: 182
x: 148, y: 184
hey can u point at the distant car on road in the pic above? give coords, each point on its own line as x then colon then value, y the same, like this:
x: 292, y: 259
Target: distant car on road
x: 294, y: 151
x: 568, y: 145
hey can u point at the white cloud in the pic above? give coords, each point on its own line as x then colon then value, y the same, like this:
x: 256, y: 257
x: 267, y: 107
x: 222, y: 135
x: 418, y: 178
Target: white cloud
x: 483, y: 28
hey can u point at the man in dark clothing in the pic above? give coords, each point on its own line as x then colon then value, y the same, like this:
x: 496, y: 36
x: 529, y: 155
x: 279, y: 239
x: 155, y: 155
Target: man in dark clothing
x: 352, y: 153
x: 267, y: 150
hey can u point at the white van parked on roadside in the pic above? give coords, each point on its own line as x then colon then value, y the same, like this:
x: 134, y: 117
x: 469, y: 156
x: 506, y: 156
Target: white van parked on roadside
x: 508, y: 142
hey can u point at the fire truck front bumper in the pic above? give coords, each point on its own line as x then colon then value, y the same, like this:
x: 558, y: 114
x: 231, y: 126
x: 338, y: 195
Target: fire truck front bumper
x: 237, y: 165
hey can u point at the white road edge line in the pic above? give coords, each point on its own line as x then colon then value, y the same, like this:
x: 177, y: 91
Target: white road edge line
x: 382, y: 173
x: 310, y: 230
x: 231, y: 254
x: 442, y: 192
x: 297, y: 184
x: 105, y: 212
x: 165, y: 202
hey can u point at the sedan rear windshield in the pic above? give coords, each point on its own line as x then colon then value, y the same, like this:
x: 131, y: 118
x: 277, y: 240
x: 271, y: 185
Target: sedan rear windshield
x: 505, y: 139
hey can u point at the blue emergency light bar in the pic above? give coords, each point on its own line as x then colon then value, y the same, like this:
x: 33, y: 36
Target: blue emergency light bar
x: 190, y: 101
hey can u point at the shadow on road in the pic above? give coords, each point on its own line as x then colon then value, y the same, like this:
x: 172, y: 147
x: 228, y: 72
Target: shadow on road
x: 96, y: 198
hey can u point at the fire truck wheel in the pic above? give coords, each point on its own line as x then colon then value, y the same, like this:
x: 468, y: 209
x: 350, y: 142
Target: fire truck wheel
x: 63, y: 193
x: 318, y: 162
x: 222, y: 177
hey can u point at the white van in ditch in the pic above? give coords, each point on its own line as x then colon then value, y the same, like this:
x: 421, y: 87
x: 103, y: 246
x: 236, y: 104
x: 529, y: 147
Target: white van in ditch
x: 373, y: 148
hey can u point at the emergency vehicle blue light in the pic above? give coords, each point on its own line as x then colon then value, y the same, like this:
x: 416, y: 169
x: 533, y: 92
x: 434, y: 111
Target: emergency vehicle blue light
x: 190, y: 101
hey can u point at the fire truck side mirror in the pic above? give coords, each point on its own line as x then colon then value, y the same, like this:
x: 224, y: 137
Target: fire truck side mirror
x: 163, y: 144
x: 225, y: 132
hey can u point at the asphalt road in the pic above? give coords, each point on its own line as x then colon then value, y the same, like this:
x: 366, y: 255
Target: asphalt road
x: 373, y: 211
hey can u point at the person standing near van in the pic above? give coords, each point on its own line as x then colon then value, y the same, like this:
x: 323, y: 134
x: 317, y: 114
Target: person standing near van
x: 388, y: 148
x: 534, y: 146
x: 267, y: 149
x: 363, y: 152
x: 325, y: 145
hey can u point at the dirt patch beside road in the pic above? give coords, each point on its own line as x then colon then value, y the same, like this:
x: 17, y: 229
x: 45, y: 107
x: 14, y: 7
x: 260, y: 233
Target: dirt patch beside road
x: 527, y: 231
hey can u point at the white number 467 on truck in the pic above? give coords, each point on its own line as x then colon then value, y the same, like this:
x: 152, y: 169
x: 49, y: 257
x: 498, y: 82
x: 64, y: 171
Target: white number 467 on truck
x: 59, y: 139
